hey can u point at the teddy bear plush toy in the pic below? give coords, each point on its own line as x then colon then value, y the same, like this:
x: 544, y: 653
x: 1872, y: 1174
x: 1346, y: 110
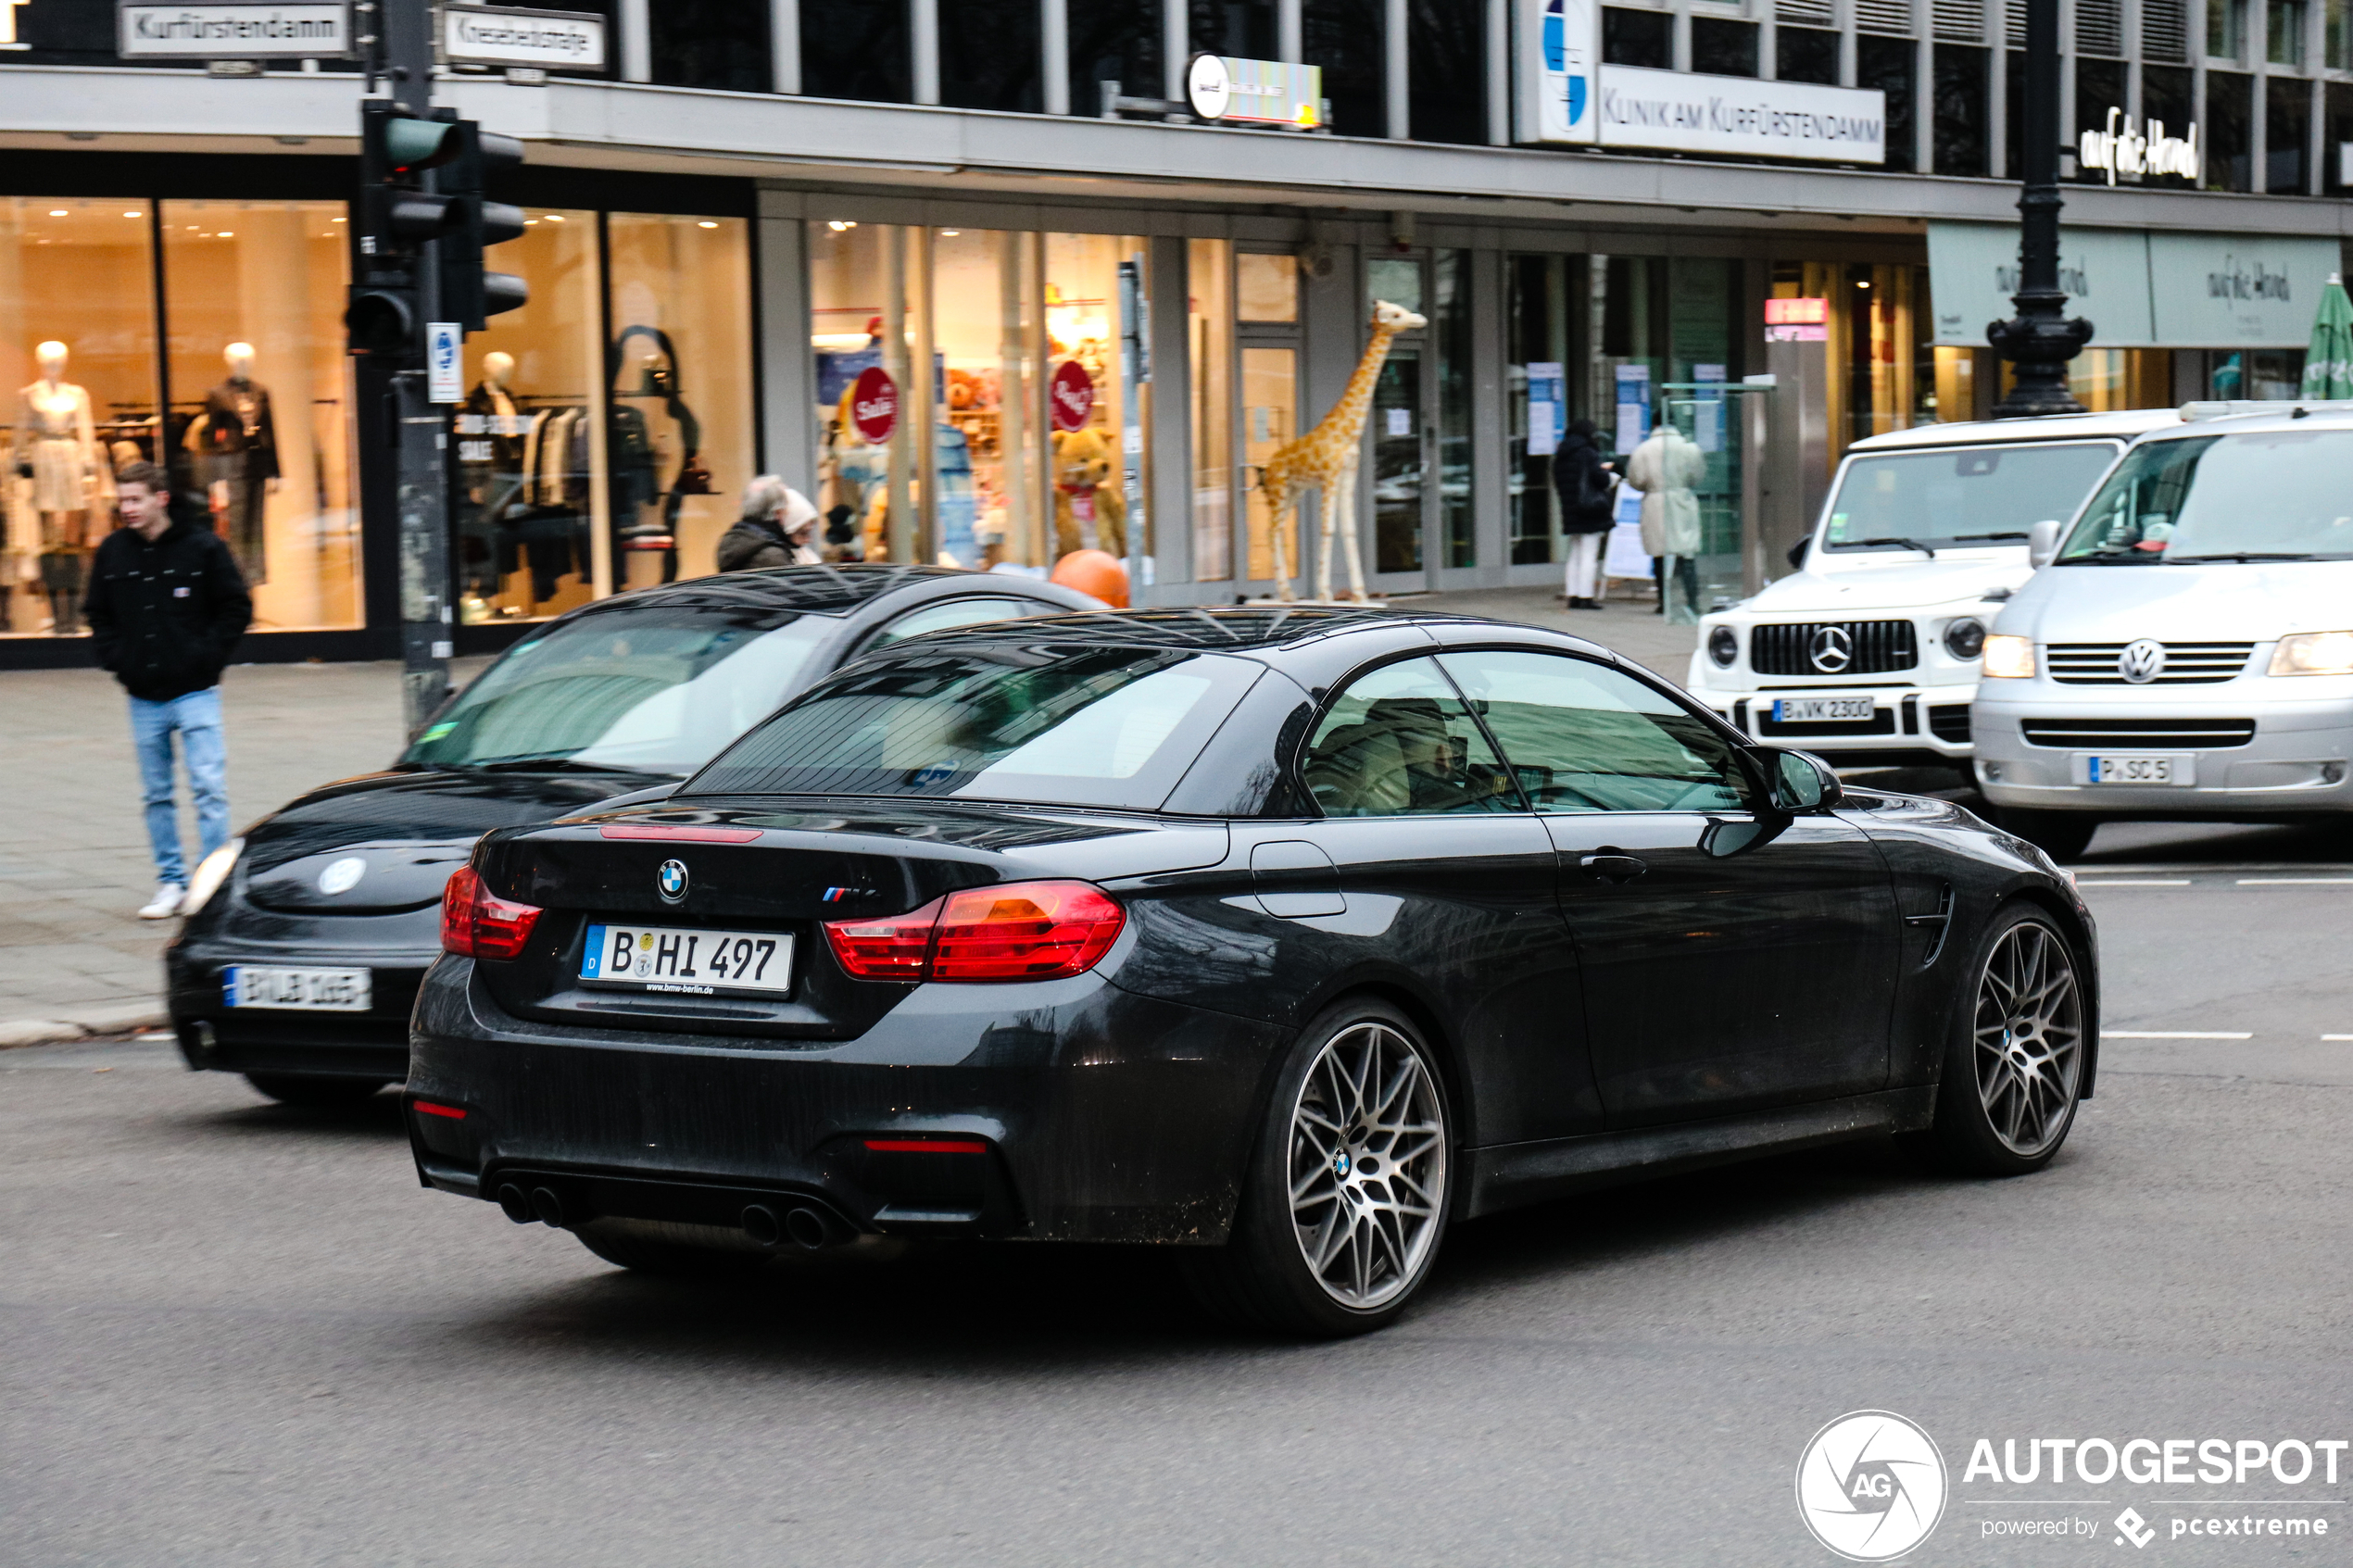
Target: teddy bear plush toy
x: 1086, y: 494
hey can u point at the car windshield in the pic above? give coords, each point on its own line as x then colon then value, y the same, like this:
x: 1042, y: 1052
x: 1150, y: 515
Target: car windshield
x: 2263, y: 496
x: 1971, y: 497
x: 1072, y: 725
x: 657, y: 690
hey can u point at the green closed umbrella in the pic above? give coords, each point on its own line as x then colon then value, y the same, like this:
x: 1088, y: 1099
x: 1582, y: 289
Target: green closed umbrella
x: 2328, y: 364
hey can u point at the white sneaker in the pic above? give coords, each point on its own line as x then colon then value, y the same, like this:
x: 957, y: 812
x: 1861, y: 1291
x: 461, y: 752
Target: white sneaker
x: 166, y: 903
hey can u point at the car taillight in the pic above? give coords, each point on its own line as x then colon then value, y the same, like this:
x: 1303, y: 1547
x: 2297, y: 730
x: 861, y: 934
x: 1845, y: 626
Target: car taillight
x: 476, y: 923
x: 1019, y: 931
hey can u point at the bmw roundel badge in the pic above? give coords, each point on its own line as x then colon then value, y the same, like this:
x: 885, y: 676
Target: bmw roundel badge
x: 670, y: 881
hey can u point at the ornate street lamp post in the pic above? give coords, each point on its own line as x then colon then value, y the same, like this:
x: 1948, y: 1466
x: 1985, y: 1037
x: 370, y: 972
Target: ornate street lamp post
x: 2040, y: 340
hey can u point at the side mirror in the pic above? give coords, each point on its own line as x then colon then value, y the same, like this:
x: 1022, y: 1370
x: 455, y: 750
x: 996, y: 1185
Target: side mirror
x: 1803, y: 782
x: 1798, y: 553
x: 2041, y: 542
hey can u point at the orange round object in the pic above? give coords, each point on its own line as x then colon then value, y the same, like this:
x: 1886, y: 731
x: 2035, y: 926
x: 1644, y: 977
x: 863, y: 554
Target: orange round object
x: 1095, y: 572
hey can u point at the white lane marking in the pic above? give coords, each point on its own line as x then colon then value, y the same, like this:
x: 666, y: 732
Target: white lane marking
x: 2337, y: 1036
x: 2172, y: 1035
x: 2296, y: 881
x: 2151, y: 881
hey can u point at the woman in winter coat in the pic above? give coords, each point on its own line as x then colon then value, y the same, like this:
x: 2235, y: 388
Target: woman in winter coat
x: 1588, y: 506
x: 778, y: 528
x: 1666, y: 468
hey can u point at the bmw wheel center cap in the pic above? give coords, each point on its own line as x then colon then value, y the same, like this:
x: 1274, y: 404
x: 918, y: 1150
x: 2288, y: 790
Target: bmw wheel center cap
x: 670, y: 881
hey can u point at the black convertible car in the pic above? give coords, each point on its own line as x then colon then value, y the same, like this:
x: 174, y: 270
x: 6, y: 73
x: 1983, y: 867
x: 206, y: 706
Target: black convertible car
x: 1282, y: 936
x: 306, y: 937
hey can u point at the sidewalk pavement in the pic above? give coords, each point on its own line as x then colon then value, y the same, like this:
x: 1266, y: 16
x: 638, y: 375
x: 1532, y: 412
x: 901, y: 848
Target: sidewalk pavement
x: 76, y: 960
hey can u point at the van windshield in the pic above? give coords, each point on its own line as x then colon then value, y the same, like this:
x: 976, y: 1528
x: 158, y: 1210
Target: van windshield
x: 1974, y: 496
x: 2206, y: 499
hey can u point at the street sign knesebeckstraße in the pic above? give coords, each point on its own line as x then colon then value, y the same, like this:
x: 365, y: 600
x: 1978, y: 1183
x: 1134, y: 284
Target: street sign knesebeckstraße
x: 236, y: 29
x: 501, y: 36
x: 2140, y: 288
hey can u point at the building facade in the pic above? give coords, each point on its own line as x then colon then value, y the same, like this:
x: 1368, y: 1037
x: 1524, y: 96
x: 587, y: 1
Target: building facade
x: 752, y: 211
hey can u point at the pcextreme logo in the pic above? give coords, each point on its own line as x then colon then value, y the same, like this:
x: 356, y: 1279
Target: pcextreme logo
x: 1871, y: 1486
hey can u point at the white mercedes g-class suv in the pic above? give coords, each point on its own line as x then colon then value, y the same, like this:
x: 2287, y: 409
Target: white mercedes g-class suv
x: 1869, y: 653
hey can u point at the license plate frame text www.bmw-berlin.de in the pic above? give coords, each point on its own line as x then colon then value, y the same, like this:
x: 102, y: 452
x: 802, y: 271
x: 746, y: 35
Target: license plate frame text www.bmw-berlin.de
x: 689, y: 962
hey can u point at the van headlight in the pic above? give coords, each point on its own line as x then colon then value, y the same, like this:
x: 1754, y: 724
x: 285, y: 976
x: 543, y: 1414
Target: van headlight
x: 2008, y: 657
x: 211, y: 872
x: 1724, y: 647
x: 1965, y: 638
x: 2314, y: 653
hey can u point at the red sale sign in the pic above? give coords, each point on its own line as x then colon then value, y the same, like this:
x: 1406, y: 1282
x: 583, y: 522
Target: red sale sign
x: 874, y: 404
x: 1072, y: 393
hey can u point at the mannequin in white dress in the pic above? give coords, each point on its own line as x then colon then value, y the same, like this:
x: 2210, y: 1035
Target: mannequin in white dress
x: 57, y: 448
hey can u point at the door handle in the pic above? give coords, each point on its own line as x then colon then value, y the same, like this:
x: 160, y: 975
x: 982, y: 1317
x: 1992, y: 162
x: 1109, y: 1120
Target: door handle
x: 1611, y: 867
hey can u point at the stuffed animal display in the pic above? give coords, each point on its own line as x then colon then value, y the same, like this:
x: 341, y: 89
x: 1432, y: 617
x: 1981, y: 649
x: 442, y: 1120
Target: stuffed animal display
x: 1089, y: 513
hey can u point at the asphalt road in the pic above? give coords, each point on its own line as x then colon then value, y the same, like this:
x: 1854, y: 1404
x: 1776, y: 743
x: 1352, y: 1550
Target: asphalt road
x: 232, y: 1333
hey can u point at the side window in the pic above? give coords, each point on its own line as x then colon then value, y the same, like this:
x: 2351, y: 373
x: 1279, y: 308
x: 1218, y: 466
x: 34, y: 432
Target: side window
x: 1584, y: 737
x: 1399, y: 742
x: 946, y: 613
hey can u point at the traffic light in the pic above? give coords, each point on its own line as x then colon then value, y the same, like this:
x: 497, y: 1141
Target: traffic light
x: 399, y: 215
x: 470, y: 295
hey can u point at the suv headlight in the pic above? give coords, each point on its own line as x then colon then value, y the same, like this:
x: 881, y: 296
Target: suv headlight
x: 2008, y: 657
x: 1724, y: 647
x: 2314, y: 653
x: 211, y: 872
x: 1965, y: 638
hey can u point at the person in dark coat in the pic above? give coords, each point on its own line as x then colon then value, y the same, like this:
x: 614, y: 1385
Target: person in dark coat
x: 1589, y: 505
x: 778, y: 528
x: 166, y: 607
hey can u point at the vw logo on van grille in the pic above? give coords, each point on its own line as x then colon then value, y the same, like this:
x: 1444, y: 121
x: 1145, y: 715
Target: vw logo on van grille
x: 670, y: 881
x: 1831, y: 649
x: 2142, y: 662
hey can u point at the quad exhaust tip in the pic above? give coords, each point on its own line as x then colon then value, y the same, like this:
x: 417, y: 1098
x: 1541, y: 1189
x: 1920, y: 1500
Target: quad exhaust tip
x: 539, y: 1206
x: 515, y: 1204
x: 808, y: 1228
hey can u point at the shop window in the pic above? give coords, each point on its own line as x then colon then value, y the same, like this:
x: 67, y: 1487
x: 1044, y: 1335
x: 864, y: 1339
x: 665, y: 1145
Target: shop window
x: 2274, y: 374
x: 530, y: 519
x: 1209, y: 324
x: 1720, y: 47
x: 2227, y: 131
x: 1446, y: 71
x: 1266, y: 287
x: 1960, y: 120
x: 1348, y: 39
x: 2099, y: 86
x: 1270, y: 417
x: 721, y: 44
x: 856, y: 49
x: 1112, y: 41
x: 1450, y: 322
x: 258, y: 430
x: 679, y: 441
x: 2335, y: 136
x: 1889, y: 63
x: 1805, y: 54
x: 1637, y: 38
x: 78, y: 370
x: 1536, y: 407
x: 1242, y: 29
x: 1955, y: 399
x: 2287, y: 118
x: 989, y: 54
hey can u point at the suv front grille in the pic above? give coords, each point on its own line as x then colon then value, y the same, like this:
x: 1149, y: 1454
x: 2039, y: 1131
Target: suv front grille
x: 2186, y: 664
x: 2205, y: 735
x: 1872, y: 648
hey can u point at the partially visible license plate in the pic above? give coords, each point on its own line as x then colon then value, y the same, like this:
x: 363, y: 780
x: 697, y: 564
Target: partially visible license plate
x: 295, y: 990
x: 1823, y: 710
x: 2095, y: 769
x: 657, y: 958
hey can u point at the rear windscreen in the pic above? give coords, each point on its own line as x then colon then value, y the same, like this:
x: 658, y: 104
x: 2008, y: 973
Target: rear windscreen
x: 1080, y: 725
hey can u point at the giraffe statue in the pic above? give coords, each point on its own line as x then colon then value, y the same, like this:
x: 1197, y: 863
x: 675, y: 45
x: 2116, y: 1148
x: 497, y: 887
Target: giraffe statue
x: 1325, y: 460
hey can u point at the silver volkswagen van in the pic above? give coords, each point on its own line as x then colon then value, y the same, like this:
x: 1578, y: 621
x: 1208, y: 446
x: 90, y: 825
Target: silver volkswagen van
x: 2187, y: 652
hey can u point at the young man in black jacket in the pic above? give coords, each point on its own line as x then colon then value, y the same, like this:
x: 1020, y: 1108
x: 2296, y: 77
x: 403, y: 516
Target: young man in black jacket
x: 167, y: 604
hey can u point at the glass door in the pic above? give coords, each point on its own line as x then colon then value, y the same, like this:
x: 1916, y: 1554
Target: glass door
x: 1400, y: 462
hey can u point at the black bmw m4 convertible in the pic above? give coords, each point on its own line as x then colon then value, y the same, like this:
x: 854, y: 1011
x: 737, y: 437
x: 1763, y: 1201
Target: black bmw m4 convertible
x: 1283, y: 938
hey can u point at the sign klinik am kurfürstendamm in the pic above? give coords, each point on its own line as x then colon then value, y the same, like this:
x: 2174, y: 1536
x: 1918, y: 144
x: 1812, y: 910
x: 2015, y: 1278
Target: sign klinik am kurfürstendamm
x: 1563, y: 94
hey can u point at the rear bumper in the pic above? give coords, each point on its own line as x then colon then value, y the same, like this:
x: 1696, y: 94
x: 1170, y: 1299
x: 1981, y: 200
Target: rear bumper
x: 1086, y: 1113
x: 215, y: 1037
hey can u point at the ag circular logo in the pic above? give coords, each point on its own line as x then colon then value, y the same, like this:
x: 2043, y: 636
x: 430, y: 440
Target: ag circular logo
x: 1831, y: 649
x: 1870, y: 1486
x: 670, y: 881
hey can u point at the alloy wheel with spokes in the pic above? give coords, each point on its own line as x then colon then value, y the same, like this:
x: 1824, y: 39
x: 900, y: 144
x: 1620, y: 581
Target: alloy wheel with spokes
x: 2028, y: 1039
x: 1367, y: 1165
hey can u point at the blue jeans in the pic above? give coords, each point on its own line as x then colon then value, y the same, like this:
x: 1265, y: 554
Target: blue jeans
x: 197, y: 718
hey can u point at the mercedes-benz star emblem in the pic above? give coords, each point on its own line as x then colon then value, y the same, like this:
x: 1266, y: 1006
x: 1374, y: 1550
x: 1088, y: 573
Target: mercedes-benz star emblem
x: 670, y: 881
x: 2142, y: 662
x: 1831, y: 649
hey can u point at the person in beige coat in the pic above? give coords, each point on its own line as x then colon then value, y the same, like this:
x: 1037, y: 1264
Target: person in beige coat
x: 1666, y: 468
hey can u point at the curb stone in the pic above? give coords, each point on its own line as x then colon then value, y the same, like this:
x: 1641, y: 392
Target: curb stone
x: 110, y: 1018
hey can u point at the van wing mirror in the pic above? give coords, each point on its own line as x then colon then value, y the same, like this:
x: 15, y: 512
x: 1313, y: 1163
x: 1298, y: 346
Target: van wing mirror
x: 2042, y: 541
